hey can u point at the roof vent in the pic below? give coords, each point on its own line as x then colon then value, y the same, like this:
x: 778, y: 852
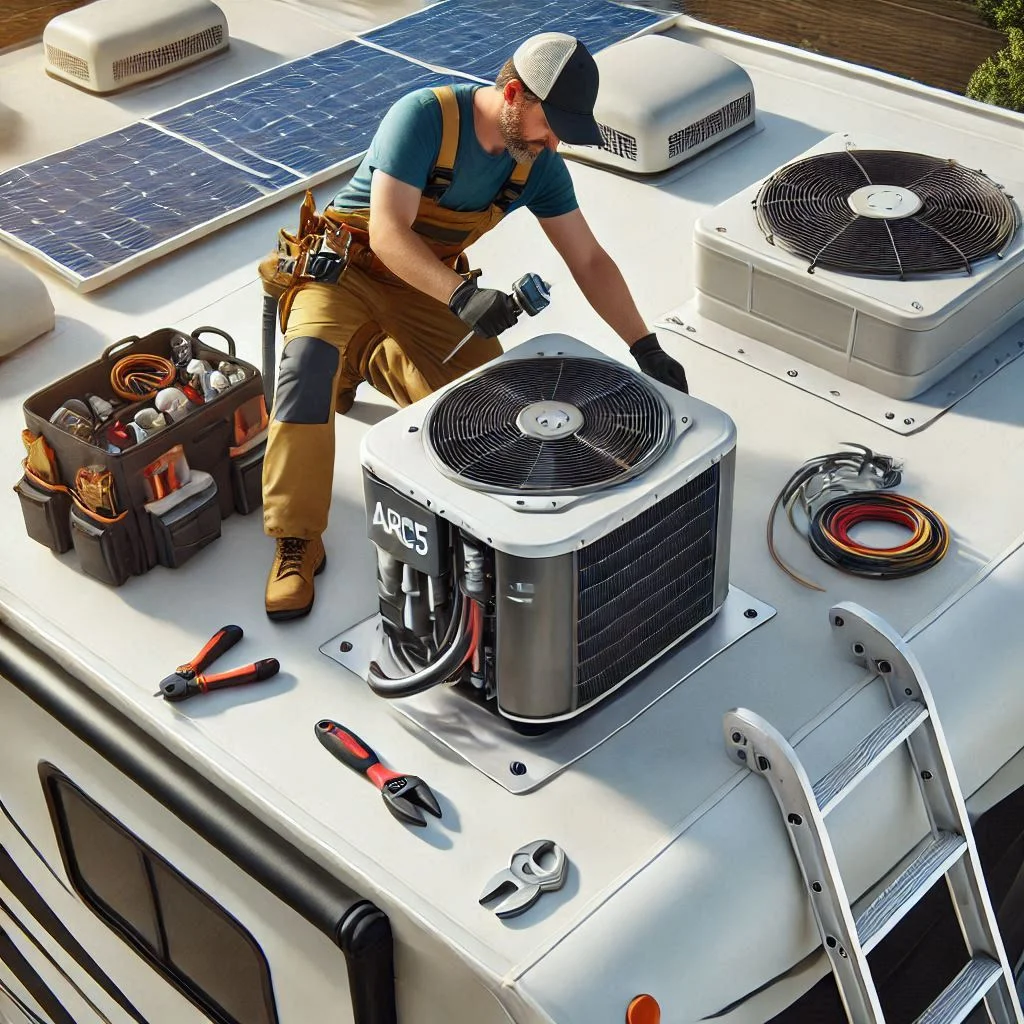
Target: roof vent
x: 112, y: 44
x: 662, y: 102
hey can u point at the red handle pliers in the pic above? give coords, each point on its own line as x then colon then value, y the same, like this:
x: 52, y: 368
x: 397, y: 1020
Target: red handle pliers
x: 187, y: 680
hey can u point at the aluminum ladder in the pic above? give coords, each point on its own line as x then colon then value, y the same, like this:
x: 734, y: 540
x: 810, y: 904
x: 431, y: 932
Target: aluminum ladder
x: 752, y: 742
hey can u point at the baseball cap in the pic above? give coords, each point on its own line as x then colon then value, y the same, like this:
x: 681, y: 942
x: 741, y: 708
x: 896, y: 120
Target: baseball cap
x: 560, y: 70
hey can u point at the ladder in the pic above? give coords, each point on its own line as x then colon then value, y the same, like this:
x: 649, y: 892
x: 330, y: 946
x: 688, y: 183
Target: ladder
x: 951, y: 851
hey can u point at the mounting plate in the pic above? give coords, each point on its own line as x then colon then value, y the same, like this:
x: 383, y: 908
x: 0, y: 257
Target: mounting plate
x: 490, y: 743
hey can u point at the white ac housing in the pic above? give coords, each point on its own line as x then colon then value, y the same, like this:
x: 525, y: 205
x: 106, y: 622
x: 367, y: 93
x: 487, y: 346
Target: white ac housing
x: 591, y: 582
x: 112, y: 44
x: 897, y: 337
x: 662, y: 101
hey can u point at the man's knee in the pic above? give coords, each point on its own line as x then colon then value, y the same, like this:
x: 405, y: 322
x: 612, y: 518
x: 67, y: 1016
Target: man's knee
x: 305, y: 386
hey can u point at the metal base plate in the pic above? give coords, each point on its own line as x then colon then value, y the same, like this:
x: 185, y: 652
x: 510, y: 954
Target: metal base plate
x: 902, y: 415
x: 490, y: 743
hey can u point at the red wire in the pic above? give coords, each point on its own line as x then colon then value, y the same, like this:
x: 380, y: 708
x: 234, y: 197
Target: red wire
x: 848, y: 517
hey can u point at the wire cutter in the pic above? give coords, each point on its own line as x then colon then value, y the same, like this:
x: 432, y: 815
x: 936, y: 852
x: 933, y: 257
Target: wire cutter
x: 187, y: 680
x: 403, y: 794
x: 540, y: 866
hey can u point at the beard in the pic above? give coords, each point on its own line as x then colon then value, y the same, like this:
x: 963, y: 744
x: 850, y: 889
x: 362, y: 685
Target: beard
x: 510, y: 124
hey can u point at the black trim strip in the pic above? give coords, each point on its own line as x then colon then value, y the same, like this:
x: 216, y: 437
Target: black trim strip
x: 27, y: 932
x: 27, y: 1010
x: 25, y: 893
x: 32, y: 846
x: 357, y: 926
x: 34, y: 984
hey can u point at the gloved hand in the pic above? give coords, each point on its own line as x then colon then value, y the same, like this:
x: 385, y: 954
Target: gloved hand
x: 487, y: 310
x: 657, y: 363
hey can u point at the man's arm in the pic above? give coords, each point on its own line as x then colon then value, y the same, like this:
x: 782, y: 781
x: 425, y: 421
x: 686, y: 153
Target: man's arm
x: 596, y: 273
x: 602, y: 283
x: 393, y: 208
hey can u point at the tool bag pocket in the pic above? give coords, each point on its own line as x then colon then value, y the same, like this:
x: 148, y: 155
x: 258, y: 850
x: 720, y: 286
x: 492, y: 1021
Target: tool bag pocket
x: 185, y: 524
x: 107, y: 550
x: 46, y: 509
x: 247, y: 480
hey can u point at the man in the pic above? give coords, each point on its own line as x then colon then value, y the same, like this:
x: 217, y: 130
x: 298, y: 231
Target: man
x: 444, y: 167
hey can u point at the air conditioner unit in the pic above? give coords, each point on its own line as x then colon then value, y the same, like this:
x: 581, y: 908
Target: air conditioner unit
x: 545, y: 528
x: 888, y: 268
x: 111, y: 44
x: 662, y: 101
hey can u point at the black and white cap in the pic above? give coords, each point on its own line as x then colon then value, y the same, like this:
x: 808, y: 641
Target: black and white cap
x: 560, y: 70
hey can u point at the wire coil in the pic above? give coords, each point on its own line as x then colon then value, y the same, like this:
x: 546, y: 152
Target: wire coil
x: 139, y: 377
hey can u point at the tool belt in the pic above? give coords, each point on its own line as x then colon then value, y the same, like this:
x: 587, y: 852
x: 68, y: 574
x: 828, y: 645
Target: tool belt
x: 320, y: 250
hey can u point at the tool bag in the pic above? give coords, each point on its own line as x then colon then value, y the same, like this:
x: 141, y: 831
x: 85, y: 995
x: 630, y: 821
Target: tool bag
x: 156, y: 501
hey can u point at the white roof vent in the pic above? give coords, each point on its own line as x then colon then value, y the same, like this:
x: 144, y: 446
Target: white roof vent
x: 112, y: 44
x: 662, y: 101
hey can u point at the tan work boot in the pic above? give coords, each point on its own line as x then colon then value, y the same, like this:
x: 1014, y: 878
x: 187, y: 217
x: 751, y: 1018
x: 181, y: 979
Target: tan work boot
x: 290, y: 588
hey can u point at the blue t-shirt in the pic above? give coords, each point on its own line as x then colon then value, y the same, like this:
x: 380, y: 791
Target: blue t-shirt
x: 406, y: 146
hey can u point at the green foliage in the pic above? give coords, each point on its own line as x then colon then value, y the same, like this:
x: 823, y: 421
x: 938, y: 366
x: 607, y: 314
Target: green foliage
x: 1000, y: 80
x: 1002, y: 14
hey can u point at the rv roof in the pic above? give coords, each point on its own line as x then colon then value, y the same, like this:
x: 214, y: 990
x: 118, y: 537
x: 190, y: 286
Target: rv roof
x: 683, y: 879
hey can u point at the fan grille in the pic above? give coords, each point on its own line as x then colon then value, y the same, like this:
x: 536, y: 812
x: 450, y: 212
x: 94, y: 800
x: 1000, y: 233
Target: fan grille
x: 615, y: 424
x: 963, y: 217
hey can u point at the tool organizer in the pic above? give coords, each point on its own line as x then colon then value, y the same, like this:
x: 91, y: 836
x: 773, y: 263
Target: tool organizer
x: 144, y: 532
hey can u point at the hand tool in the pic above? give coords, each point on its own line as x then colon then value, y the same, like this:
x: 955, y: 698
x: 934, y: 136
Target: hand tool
x: 186, y: 680
x: 528, y: 876
x: 403, y: 794
x: 530, y: 294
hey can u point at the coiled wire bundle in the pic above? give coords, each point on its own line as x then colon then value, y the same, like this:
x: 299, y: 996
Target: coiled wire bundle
x: 841, y: 490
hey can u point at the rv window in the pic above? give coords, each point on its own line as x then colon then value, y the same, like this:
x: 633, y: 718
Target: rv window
x: 176, y: 927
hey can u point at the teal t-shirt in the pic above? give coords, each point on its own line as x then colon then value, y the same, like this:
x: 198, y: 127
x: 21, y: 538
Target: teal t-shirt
x: 406, y: 146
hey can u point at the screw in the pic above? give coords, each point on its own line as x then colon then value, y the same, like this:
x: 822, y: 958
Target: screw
x: 685, y: 419
x: 917, y: 305
x: 795, y: 819
x: 741, y: 351
x: 345, y: 647
x: 517, y: 768
x: 909, y: 692
x: 830, y: 941
x: 741, y: 754
x: 884, y: 667
x: 721, y: 231
x: 763, y: 763
x: 842, y: 952
x: 816, y: 886
x: 792, y: 373
x: 890, y: 415
x: 736, y: 737
x: 750, y: 613
x: 858, y: 648
x: 839, y: 621
x: 834, y: 394
x: 692, y: 330
x: 909, y: 420
x: 412, y: 430
x: 926, y: 775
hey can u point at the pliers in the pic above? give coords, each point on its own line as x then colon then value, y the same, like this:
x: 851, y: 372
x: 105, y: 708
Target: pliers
x: 187, y: 680
x: 403, y: 794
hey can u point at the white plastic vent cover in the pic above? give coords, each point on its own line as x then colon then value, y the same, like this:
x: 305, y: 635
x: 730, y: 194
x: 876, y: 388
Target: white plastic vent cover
x: 663, y: 101
x: 112, y: 44
x: 886, y: 267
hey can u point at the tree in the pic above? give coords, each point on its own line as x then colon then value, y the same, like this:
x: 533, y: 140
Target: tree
x: 1000, y: 79
x: 1002, y: 14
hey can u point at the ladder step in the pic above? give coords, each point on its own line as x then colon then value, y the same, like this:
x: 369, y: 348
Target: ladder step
x: 840, y: 780
x: 878, y: 919
x: 963, y: 993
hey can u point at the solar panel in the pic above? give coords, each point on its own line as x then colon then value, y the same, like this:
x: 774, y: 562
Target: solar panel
x: 307, y: 115
x: 109, y: 200
x: 476, y: 37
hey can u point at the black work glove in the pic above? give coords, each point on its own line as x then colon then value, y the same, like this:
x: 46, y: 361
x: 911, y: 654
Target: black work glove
x: 657, y: 363
x: 487, y: 310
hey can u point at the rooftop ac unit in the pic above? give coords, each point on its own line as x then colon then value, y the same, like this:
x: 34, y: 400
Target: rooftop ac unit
x: 886, y: 267
x: 545, y: 527
x: 662, y: 101
x: 111, y: 44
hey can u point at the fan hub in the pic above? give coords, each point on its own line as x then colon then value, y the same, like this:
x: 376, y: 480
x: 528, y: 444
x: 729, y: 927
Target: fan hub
x: 545, y: 420
x: 884, y: 202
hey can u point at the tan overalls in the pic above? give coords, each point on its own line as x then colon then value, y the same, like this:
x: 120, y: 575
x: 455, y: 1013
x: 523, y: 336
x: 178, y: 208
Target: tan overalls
x: 372, y: 326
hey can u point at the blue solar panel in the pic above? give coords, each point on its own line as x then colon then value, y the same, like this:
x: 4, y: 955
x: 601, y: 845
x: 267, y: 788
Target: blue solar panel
x: 101, y: 203
x: 476, y: 37
x: 308, y: 115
